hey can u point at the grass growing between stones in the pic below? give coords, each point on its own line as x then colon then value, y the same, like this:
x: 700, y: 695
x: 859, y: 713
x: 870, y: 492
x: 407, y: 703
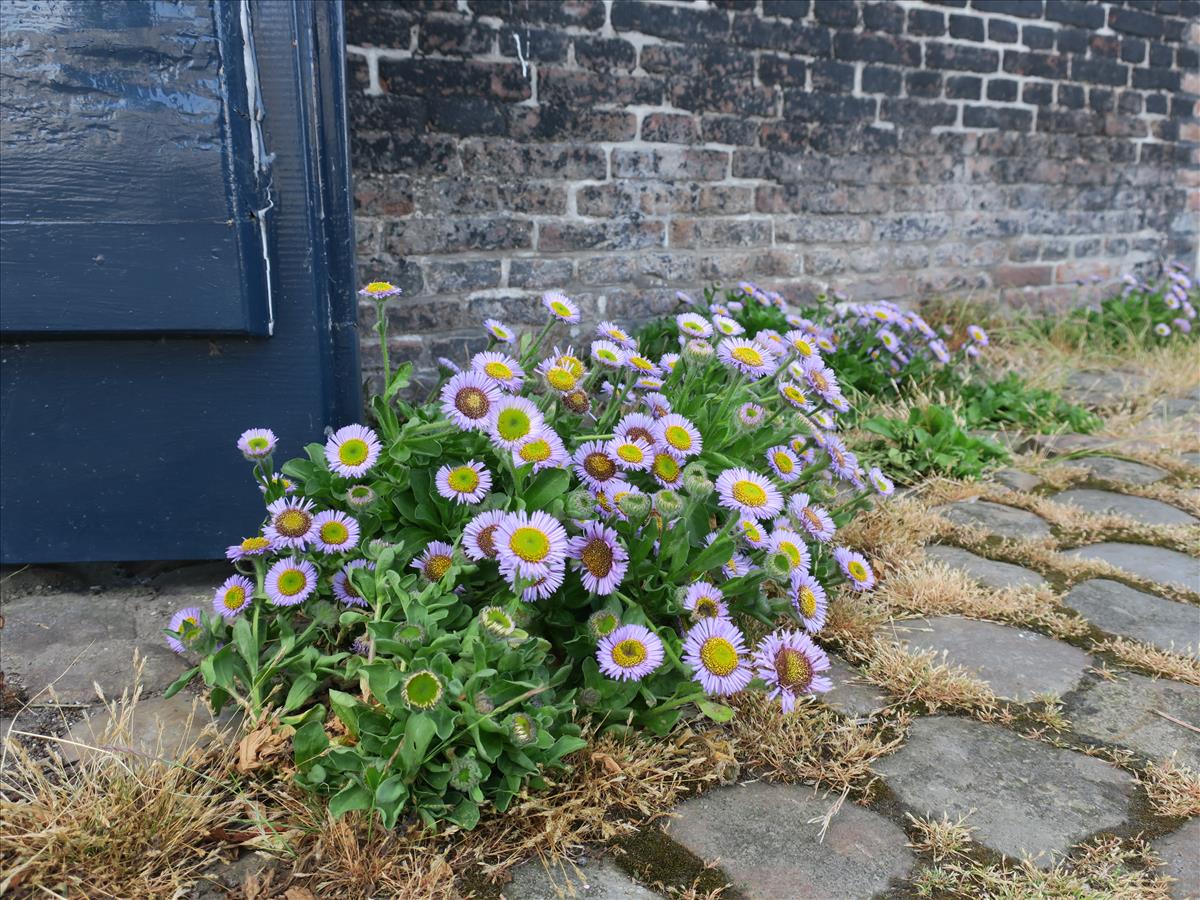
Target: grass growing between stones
x: 1152, y: 660
x: 1105, y: 867
x: 1173, y: 790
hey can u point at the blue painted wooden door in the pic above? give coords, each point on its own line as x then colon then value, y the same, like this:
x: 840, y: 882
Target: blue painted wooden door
x: 175, y: 266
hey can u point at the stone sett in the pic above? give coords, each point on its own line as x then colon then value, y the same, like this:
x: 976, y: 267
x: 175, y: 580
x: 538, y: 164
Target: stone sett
x: 1021, y: 796
x: 1121, y: 610
x: 599, y: 879
x: 988, y: 572
x: 1133, y: 712
x: 994, y: 518
x: 1180, y: 852
x: 1153, y: 563
x: 1140, y: 509
x: 1110, y: 468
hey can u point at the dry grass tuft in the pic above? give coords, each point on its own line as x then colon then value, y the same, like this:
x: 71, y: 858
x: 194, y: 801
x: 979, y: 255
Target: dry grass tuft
x: 920, y: 677
x: 1158, y: 662
x: 940, y: 838
x: 812, y: 745
x: 1174, y: 790
x: 120, y: 823
x: 853, y: 618
x: 1105, y: 867
x: 891, y: 532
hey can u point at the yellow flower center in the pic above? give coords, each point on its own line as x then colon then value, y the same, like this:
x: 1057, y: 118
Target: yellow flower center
x: 486, y: 539
x: 794, y: 394
x: 572, y: 364
x: 535, y: 451
x: 793, y: 669
x: 334, y: 533
x: 637, y: 432
x: 631, y: 453
x: 560, y: 379
x: 561, y: 308
x: 498, y: 370
x: 819, y: 381
x: 640, y: 362
x: 513, y: 424
x: 293, y: 523
x: 628, y: 653
x: 436, y: 567
x: 597, y: 557
x: 706, y: 608
x: 666, y: 468
x: 472, y: 402
x: 464, y: 479
x: 857, y: 570
x: 752, y: 531
x: 750, y: 494
x: 791, y: 551
x: 379, y: 287
x: 530, y: 544
x: 258, y: 443
x: 807, y: 601
x: 255, y: 544
x: 719, y: 656
x: 747, y: 355
x: 677, y: 436
x: 353, y: 452
x: 600, y: 466
x: 784, y: 463
x: 234, y: 597
x: 292, y: 582
x: 803, y: 347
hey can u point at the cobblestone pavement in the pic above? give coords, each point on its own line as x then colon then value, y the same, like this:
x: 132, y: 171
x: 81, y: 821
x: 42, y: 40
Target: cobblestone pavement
x: 1023, y: 796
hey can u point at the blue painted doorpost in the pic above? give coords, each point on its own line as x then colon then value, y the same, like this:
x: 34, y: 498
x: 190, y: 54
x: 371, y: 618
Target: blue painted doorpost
x: 176, y: 265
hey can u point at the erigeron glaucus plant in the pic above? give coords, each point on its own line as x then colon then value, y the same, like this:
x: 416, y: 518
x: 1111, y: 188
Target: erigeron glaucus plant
x: 437, y: 600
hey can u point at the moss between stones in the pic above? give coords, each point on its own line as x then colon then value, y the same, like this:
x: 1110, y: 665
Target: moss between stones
x: 650, y: 856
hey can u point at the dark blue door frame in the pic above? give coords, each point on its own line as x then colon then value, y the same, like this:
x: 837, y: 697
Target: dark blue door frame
x: 117, y: 443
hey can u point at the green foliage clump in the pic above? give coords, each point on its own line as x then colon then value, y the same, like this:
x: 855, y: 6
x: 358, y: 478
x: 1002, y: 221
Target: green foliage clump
x: 930, y: 441
x: 1011, y: 401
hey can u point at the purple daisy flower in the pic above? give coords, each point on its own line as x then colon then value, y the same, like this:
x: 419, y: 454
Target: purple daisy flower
x: 335, y: 532
x: 630, y: 653
x: 343, y: 586
x: 558, y: 378
x: 716, y: 652
x: 501, y: 368
x: 668, y: 361
x: 635, y: 426
x: 513, y: 420
x: 465, y: 483
x: 1162, y: 329
x: 813, y: 519
x: 809, y: 601
x: 978, y: 335
x: 379, y: 290
x: 250, y: 547
x: 748, y: 493
x: 543, y: 449
x: 658, y: 405
x: 856, y: 568
x: 795, y: 396
x: 542, y: 587
x: 750, y: 415
x: 791, y: 545
x: 531, y: 543
x: 608, y: 354
x: 257, y: 443
x: 595, y: 465
x: 678, y: 436
x: 821, y: 379
x: 185, y: 626
x: 748, y: 357
x: 615, y: 333
x: 803, y: 343
x: 291, y: 523
x: 290, y: 581
x: 479, y: 536
x: 560, y: 307
x: 469, y: 399
x: 631, y: 454
x: 666, y: 470
x: 233, y: 596
x: 727, y: 326
x: 352, y: 450
x: 788, y: 661
x: 705, y: 601
x: 641, y: 364
x: 842, y: 462
x: 602, y: 559
x: 435, y: 561
x: 882, y: 484
x: 751, y: 531
x: 449, y: 365
x: 499, y: 331
x: 938, y: 348
x: 783, y: 463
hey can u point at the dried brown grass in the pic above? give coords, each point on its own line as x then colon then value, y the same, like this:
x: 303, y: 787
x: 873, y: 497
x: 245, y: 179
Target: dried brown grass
x: 1174, y: 790
x: 920, y: 677
x: 940, y: 838
x: 1151, y: 659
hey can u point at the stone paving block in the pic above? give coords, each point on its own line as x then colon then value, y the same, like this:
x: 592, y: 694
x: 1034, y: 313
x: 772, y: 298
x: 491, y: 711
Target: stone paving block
x: 1139, y: 509
x: 761, y: 836
x: 1102, y: 389
x: 1021, y: 796
x: 1154, y: 563
x: 851, y: 694
x: 1192, y: 459
x: 995, y: 518
x: 1177, y: 408
x: 1180, y: 852
x: 173, y: 718
x: 1017, y: 664
x: 1111, y: 468
x: 599, y: 879
x: 1119, y: 609
x: 1062, y: 444
x: 75, y: 639
x: 1126, y: 712
x: 1016, y: 480
x: 988, y: 572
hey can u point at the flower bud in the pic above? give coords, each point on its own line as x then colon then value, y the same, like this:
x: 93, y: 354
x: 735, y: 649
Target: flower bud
x: 635, y: 505
x: 779, y: 566
x: 602, y: 623
x: 668, y: 504
x: 484, y: 703
x: 579, y: 504
x: 589, y: 697
x: 522, y: 729
x: 697, y: 486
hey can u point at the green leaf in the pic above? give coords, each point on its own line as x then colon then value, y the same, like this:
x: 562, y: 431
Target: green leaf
x: 301, y: 690
x: 548, y: 486
x: 345, y: 707
x: 400, y: 379
x: 352, y: 796
x: 718, y: 712
x: 466, y: 814
x: 243, y: 639
x: 309, y: 742
x: 181, y: 682
x: 418, y: 732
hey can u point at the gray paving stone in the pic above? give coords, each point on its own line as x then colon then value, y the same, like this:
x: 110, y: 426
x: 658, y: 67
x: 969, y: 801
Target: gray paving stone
x: 1120, y: 609
x: 1177, y: 408
x: 1126, y: 712
x: 173, y: 719
x: 1192, y: 459
x: 1101, y: 389
x: 762, y: 838
x: 1139, y: 509
x: 1111, y: 468
x: 1062, y: 444
x: 995, y: 518
x: 600, y: 879
x: 988, y: 572
x: 75, y: 639
x: 1017, y: 664
x: 851, y: 694
x: 1154, y: 563
x: 1016, y: 480
x: 1180, y: 852
x: 1020, y: 795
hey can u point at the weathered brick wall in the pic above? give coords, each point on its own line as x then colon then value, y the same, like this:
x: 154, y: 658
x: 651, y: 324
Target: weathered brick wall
x: 620, y: 150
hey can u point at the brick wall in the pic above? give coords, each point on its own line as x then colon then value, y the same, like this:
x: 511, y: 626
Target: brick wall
x: 620, y: 150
